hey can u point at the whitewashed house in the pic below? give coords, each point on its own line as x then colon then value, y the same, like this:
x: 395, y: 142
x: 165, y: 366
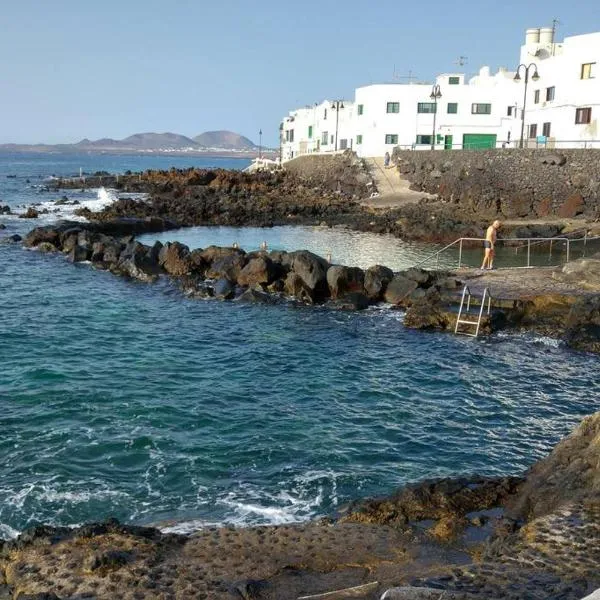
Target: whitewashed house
x: 563, y: 104
x: 325, y: 127
x: 552, y: 97
x: 451, y: 113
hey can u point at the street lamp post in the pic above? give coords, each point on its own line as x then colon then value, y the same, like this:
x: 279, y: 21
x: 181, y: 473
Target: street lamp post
x: 337, y: 105
x: 534, y: 77
x: 260, y: 143
x: 436, y: 94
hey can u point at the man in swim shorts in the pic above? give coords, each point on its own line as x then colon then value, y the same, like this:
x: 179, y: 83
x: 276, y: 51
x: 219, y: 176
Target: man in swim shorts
x: 489, y: 245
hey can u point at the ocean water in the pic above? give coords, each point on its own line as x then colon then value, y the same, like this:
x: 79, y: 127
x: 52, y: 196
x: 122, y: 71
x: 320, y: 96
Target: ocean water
x: 124, y: 399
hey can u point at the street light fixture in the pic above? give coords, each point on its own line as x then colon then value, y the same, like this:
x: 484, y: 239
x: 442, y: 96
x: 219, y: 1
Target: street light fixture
x: 337, y: 105
x: 517, y: 78
x: 436, y: 94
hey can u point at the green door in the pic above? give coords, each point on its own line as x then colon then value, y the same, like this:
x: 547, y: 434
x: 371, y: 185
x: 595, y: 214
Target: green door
x: 448, y: 142
x: 479, y: 141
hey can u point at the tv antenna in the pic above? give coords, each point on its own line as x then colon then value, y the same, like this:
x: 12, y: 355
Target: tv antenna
x: 410, y: 77
x: 555, y: 24
x: 462, y: 61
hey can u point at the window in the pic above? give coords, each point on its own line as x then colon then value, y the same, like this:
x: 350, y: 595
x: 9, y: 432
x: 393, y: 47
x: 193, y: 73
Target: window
x: 583, y: 116
x: 291, y: 135
x: 546, y: 129
x: 343, y: 144
x: 393, y: 107
x: 532, y: 131
x: 453, y: 80
x: 287, y: 135
x: 452, y: 108
x: 331, y: 138
x: 325, y: 115
x: 550, y: 93
x: 325, y: 138
x: 426, y: 107
x: 391, y: 138
x: 511, y: 111
x: 536, y: 97
x: 588, y: 70
x: 310, y: 132
x: 424, y: 139
x: 361, y: 109
x: 481, y: 109
x: 358, y: 140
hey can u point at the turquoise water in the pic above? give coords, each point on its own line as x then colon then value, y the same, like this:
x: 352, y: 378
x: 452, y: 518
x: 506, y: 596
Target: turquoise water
x: 125, y: 399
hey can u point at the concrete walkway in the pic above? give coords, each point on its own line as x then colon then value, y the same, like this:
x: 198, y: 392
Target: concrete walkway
x: 393, y: 190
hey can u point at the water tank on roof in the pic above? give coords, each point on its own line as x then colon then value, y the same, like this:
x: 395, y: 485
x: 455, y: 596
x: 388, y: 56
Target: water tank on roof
x: 532, y: 36
x: 546, y: 35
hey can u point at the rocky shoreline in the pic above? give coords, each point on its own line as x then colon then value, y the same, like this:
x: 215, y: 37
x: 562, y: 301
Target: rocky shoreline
x: 429, y: 298
x: 532, y: 537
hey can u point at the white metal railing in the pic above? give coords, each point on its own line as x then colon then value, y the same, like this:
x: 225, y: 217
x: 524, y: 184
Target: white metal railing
x: 522, y: 243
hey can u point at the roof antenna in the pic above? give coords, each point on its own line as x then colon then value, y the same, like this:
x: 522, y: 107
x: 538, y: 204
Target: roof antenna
x: 555, y: 23
x: 462, y: 61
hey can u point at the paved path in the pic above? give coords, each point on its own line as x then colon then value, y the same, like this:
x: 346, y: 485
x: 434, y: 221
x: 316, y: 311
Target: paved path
x: 393, y: 190
x: 514, y: 284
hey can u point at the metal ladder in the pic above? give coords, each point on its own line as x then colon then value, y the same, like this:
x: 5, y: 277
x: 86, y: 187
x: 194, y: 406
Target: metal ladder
x: 467, y: 295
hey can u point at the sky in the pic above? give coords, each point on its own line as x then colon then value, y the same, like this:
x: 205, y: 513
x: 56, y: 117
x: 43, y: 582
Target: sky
x: 73, y: 69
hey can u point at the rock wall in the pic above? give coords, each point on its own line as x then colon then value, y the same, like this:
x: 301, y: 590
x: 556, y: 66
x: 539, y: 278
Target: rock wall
x: 509, y: 183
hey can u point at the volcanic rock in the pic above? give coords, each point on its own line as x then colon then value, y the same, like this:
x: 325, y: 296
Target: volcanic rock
x: 174, y: 257
x: 342, y: 280
x: 376, y: 281
x: 258, y: 270
x: 399, y: 288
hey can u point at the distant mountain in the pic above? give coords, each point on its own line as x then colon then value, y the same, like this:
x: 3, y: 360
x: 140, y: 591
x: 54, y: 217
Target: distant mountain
x: 214, y: 142
x: 226, y: 140
x: 143, y: 141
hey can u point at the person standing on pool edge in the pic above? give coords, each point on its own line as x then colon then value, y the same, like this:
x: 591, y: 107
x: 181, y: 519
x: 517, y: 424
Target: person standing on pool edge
x: 489, y: 244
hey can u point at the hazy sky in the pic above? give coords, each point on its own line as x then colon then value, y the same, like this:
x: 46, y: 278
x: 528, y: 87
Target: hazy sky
x: 80, y: 68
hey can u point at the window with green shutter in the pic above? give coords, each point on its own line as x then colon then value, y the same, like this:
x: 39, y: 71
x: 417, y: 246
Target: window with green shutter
x: 481, y: 109
x: 393, y: 107
x: 452, y: 108
x: 424, y: 139
x: 358, y: 140
x: 391, y: 138
x: 361, y: 109
x: 454, y: 80
x: 310, y: 132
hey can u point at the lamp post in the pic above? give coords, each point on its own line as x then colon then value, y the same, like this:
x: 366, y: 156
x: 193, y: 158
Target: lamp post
x: 260, y: 143
x: 534, y: 77
x: 337, y: 105
x: 436, y: 94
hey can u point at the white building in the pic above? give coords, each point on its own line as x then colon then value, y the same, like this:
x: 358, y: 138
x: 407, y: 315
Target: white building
x: 325, y: 127
x: 479, y: 113
x: 561, y: 109
x: 563, y: 105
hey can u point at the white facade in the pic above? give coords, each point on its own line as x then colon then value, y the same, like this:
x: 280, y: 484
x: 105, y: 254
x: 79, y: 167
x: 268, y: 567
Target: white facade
x: 563, y: 105
x: 478, y: 113
x: 325, y: 127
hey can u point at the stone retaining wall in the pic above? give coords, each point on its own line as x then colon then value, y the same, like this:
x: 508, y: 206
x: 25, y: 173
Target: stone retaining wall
x: 509, y: 183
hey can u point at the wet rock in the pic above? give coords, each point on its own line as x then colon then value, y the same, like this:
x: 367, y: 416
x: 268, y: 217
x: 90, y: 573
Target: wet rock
x: 312, y: 270
x: 376, y: 281
x: 229, y: 266
x: 296, y: 287
x: 259, y: 270
x: 2, y: 226
x: 174, y: 258
x: 255, y: 296
x: 30, y: 213
x: 585, y: 271
x: 582, y: 330
x: 79, y: 254
x: 224, y: 289
x: 352, y: 301
x: 4, y: 209
x: 42, y: 234
x: 15, y: 238
x: 47, y: 247
x: 426, y: 313
x: 398, y: 289
x: 342, y: 280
